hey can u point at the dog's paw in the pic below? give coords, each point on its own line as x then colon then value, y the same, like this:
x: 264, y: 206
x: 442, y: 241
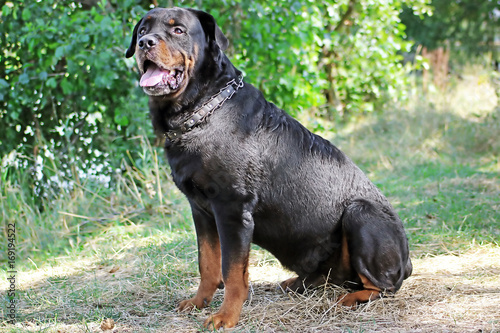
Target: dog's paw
x: 222, y: 319
x: 293, y: 284
x: 353, y: 299
x: 287, y: 284
x: 190, y: 304
x: 348, y: 300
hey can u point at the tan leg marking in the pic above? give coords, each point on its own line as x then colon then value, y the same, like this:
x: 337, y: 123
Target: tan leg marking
x: 236, y: 292
x: 211, y: 277
x: 370, y: 293
x: 346, y: 257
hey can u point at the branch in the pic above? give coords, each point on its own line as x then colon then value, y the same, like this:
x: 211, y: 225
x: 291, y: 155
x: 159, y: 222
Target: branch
x: 346, y: 16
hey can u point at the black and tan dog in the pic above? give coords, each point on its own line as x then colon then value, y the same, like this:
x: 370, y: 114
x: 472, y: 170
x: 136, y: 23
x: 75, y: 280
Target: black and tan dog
x: 254, y: 174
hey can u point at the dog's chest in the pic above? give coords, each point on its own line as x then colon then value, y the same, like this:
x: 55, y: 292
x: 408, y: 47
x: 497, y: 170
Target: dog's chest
x: 185, y: 167
x: 199, y: 175
x: 215, y: 169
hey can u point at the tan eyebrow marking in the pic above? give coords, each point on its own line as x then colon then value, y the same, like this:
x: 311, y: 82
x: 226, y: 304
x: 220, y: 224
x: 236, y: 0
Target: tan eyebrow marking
x: 171, y: 22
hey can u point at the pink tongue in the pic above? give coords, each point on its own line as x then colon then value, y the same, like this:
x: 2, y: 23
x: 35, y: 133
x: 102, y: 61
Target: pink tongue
x: 153, y: 76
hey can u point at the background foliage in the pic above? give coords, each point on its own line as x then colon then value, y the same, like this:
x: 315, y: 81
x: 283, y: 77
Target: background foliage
x: 470, y: 26
x: 67, y: 91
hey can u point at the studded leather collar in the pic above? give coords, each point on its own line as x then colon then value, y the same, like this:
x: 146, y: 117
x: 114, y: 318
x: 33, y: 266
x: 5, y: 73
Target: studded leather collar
x: 202, y: 113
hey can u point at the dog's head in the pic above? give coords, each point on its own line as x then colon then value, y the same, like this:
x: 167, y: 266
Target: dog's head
x: 171, y: 45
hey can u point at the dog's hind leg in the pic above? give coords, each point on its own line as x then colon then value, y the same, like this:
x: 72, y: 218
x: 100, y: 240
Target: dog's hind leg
x: 377, y: 249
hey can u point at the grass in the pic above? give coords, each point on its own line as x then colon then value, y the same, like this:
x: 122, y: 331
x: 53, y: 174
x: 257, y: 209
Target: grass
x: 129, y: 253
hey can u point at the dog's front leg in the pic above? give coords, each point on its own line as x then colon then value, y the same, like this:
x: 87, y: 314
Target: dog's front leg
x: 209, y: 260
x: 235, y: 226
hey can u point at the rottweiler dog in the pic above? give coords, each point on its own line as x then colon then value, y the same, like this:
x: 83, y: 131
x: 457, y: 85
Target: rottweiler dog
x: 252, y: 173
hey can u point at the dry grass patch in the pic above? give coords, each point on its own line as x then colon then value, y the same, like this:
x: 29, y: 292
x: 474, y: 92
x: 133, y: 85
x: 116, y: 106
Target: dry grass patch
x: 446, y: 293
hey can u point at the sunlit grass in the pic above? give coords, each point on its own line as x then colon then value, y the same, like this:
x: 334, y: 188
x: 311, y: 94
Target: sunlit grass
x: 141, y: 196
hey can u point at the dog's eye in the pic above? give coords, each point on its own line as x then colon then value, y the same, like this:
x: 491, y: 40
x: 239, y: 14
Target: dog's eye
x: 142, y: 31
x: 178, y: 31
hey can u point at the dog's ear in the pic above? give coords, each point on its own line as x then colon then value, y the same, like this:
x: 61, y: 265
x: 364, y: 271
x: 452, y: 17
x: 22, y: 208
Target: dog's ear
x: 133, y: 42
x: 211, y: 29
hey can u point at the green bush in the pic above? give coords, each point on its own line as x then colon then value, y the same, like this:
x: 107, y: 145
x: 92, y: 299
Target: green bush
x: 334, y: 56
x: 67, y: 89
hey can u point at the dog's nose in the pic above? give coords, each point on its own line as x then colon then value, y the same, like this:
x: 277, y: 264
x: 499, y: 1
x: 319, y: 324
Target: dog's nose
x: 147, y: 42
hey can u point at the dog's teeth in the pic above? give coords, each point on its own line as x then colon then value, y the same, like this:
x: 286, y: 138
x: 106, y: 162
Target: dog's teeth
x: 180, y: 77
x: 173, y: 78
x: 172, y: 82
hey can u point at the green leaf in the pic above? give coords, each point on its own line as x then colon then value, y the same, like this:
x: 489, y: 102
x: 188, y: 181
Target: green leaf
x: 26, y: 14
x: 51, y: 82
x: 24, y: 78
x: 60, y: 51
x: 84, y: 38
x: 43, y: 75
x: 66, y: 86
x: 121, y: 120
x: 6, y: 10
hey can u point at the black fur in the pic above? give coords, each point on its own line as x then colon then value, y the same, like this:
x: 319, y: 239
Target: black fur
x: 254, y: 174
